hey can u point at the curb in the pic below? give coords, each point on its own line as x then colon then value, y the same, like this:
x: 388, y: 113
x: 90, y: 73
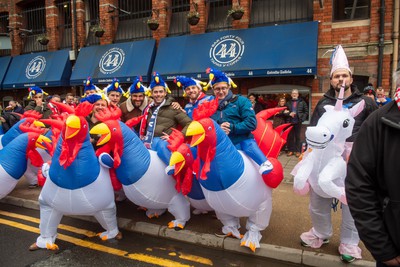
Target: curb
x: 285, y: 254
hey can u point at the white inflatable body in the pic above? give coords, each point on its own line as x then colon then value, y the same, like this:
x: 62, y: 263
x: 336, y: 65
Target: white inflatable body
x: 142, y: 174
x: 76, y: 184
x: 323, y: 168
x: 232, y: 185
x: 13, y: 161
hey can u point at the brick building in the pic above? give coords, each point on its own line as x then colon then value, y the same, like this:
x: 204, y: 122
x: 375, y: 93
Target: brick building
x: 367, y: 30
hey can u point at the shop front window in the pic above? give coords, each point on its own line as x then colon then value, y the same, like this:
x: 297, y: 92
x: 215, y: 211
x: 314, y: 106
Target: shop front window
x: 269, y: 95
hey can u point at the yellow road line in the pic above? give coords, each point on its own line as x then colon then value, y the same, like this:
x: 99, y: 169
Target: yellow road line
x: 60, y: 226
x: 102, y: 248
x: 195, y: 258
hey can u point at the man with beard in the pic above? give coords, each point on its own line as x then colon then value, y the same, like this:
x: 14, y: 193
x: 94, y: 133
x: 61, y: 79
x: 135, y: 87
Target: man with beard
x: 135, y: 104
x: 320, y: 207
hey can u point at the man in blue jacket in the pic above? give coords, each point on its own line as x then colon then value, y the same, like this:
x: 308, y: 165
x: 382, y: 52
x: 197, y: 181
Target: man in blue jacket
x: 237, y: 119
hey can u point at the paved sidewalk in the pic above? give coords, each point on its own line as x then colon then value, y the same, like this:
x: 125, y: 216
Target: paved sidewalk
x: 280, y: 240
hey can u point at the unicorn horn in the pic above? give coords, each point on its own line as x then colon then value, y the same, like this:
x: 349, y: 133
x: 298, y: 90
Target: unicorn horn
x: 339, y: 101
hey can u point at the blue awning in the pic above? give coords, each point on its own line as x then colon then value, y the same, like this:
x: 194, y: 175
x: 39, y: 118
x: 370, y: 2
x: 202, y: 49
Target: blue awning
x: 4, y: 63
x: 283, y: 50
x: 39, y: 69
x: 124, y: 61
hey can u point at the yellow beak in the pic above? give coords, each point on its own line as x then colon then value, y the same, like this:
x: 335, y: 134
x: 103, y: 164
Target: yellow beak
x: 197, y: 132
x: 41, y: 139
x: 39, y: 124
x: 104, y: 131
x: 178, y: 160
x: 73, y: 126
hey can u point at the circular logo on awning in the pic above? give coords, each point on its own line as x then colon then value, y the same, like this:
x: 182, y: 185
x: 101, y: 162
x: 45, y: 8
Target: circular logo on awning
x: 35, y: 67
x: 227, y: 50
x: 112, y: 60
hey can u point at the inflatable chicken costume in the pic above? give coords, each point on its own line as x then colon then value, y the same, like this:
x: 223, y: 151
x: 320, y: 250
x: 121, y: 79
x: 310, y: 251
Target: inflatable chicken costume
x: 225, y: 176
x: 77, y: 184
x: 141, y: 171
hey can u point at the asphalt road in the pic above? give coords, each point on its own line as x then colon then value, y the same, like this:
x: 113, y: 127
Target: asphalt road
x: 80, y: 247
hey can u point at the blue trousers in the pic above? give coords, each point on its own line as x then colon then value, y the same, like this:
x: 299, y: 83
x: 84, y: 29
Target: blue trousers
x: 250, y: 147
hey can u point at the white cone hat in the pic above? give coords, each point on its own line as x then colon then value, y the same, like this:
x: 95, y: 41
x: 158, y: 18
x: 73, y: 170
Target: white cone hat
x: 339, y: 60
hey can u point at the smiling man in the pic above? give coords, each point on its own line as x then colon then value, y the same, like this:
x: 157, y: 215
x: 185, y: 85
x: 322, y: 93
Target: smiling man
x: 237, y: 119
x: 135, y: 104
x: 159, y: 119
x: 114, y: 92
x: 193, y: 90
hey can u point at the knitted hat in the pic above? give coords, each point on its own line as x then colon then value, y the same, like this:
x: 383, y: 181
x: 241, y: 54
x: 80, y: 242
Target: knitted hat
x: 114, y: 87
x: 339, y: 60
x: 184, y: 82
x: 88, y: 85
x: 137, y: 87
x: 217, y: 76
x: 369, y: 89
x: 35, y: 90
x: 156, y: 80
x: 92, y: 98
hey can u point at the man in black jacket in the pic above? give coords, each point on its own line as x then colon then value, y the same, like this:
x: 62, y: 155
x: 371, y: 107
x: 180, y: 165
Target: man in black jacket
x: 373, y: 184
x: 320, y: 207
x: 298, y: 113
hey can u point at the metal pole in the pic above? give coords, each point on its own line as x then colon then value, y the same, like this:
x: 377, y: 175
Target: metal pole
x: 75, y: 33
x: 75, y: 27
x: 395, y: 44
x: 381, y: 42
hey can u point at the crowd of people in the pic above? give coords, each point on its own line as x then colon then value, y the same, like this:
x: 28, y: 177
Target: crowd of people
x: 371, y: 168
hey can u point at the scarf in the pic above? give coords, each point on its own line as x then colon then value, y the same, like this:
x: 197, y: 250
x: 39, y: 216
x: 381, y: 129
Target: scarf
x: 151, y: 126
x: 397, y: 97
x: 222, y: 103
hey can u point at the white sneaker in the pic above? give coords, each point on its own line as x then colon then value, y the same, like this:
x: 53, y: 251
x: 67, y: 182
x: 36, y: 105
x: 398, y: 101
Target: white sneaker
x: 266, y: 167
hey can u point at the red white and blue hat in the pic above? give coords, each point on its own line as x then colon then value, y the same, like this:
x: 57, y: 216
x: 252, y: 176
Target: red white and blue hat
x: 34, y: 90
x: 157, y: 80
x: 184, y: 82
x: 217, y: 76
x: 114, y: 87
x: 137, y: 87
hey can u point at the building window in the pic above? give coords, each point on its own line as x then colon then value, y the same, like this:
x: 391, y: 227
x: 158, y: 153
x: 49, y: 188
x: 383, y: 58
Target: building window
x: 351, y: 9
x: 270, y: 95
x: 360, y: 81
x: 5, y: 42
x: 33, y: 24
x: 132, y: 17
x: 217, y: 15
x: 270, y: 12
x: 92, y: 18
x: 65, y: 23
x: 179, y: 25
